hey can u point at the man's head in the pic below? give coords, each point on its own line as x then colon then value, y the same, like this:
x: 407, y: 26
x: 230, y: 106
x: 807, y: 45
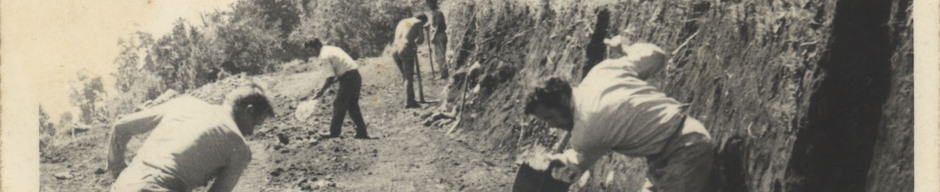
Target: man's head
x: 313, y: 47
x: 551, y: 102
x: 249, y: 107
x: 647, y: 59
x: 432, y: 4
x: 423, y: 17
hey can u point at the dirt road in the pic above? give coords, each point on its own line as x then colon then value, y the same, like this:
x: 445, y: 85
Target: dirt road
x: 404, y: 155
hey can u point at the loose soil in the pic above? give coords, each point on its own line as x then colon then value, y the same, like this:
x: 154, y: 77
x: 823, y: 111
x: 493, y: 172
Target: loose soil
x: 404, y: 155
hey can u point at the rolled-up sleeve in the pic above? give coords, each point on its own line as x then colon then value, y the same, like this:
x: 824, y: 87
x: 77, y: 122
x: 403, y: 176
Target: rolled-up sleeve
x: 582, y: 160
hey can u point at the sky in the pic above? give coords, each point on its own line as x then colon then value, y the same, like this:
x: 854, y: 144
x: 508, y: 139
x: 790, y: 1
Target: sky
x: 53, y: 40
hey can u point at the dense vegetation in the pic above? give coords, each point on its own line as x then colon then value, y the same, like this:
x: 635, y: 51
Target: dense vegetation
x: 254, y: 37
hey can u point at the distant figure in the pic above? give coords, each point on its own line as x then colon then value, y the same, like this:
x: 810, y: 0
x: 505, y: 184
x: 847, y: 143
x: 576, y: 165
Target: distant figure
x: 613, y: 109
x: 227, y: 69
x: 407, y: 37
x: 192, y: 142
x: 345, y: 70
x: 438, y: 30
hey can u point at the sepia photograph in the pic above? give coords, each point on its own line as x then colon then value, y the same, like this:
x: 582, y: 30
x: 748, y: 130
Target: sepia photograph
x: 469, y: 95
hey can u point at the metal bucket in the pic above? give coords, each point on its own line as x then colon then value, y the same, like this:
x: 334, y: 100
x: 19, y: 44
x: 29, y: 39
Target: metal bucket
x: 531, y: 180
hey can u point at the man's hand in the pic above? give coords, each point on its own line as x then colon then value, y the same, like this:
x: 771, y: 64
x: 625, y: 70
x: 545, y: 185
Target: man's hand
x: 318, y: 94
x: 545, y: 162
x: 326, y: 84
x: 556, y: 158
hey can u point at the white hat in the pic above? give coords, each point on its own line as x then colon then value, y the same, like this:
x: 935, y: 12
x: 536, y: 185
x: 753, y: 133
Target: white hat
x: 618, y: 42
x: 646, y: 58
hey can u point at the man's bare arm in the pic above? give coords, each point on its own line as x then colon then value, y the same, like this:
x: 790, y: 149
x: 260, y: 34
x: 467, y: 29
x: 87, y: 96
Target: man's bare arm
x: 572, y: 158
x: 123, y: 130
x: 326, y: 85
x: 418, y: 32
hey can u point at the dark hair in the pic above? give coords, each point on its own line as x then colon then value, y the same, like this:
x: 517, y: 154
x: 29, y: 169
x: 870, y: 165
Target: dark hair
x: 432, y: 4
x: 315, y: 43
x: 552, y: 92
x: 250, y: 94
x: 422, y: 17
x: 260, y: 103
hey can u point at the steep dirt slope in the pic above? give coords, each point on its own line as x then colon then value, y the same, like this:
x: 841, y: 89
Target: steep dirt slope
x: 793, y: 91
x: 893, y: 158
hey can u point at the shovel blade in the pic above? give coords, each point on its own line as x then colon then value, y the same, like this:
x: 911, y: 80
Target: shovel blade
x: 305, y: 110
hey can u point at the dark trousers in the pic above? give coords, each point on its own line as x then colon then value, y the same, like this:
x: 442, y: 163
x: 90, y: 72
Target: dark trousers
x: 439, y: 41
x: 685, y: 164
x: 347, y: 99
x: 406, y: 59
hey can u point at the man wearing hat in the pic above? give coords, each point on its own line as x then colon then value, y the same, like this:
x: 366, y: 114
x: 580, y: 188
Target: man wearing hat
x: 614, y: 109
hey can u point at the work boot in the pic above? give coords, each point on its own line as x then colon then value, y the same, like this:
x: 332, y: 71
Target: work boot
x: 328, y: 136
x: 362, y: 136
x: 361, y: 132
x: 412, y: 104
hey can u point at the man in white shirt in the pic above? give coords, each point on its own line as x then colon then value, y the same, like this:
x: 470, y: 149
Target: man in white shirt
x: 407, y: 37
x: 613, y: 109
x: 192, y: 142
x: 345, y: 70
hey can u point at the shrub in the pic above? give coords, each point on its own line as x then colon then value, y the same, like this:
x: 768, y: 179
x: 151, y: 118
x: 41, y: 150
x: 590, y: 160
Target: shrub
x: 360, y: 27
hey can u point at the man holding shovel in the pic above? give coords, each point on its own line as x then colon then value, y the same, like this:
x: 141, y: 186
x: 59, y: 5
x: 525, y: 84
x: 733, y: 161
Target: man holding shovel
x: 407, y: 37
x: 345, y: 70
x: 438, y: 37
x: 614, y: 109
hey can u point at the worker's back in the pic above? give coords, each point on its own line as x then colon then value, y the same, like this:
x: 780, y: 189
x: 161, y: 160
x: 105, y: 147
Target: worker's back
x: 615, y: 107
x: 193, y: 141
x: 407, y: 33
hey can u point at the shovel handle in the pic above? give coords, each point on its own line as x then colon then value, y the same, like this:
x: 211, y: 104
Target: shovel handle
x: 560, y: 145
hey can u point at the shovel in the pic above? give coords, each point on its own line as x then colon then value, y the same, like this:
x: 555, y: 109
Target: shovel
x: 531, y: 180
x: 306, y: 109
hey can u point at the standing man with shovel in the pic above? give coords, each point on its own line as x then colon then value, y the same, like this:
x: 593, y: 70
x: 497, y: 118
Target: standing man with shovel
x: 345, y: 70
x: 614, y: 109
x: 437, y: 32
x: 407, y: 37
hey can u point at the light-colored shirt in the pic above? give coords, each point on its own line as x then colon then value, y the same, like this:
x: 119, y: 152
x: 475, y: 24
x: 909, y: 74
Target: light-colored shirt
x: 191, y: 140
x: 338, y: 60
x: 616, y: 111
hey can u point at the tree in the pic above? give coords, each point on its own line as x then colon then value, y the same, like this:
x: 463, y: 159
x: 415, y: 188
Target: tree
x: 135, y: 75
x: 85, y: 92
x: 65, y: 120
x: 46, y: 127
